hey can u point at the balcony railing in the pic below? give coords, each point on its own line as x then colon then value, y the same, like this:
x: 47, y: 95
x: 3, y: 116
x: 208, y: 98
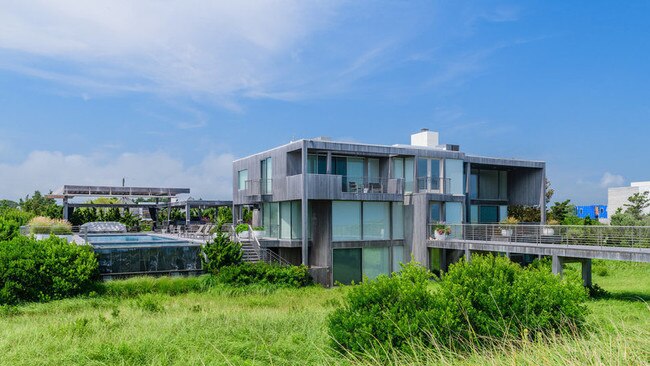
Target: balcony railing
x: 256, y: 187
x: 372, y: 185
x: 437, y: 185
x: 597, y: 235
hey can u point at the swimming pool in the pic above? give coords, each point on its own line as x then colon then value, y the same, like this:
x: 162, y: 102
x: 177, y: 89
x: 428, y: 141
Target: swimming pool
x: 122, y: 255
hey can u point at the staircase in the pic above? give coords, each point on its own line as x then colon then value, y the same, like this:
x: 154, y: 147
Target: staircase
x: 253, y: 252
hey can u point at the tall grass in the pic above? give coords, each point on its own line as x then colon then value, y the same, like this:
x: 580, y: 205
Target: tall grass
x: 156, y: 321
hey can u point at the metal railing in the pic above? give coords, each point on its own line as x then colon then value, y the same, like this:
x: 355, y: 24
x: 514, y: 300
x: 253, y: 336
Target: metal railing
x: 256, y: 187
x: 437, y: 185
x: 264, y: 254
x: 596, y: 235
x: 372, y: 185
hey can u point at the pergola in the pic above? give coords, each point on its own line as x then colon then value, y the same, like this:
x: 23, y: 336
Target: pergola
x: 68, y: 192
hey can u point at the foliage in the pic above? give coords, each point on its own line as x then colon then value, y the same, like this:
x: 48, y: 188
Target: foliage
x: 220, y: 252
x: 387, y: 312
x: 633, y: 215
x: 38, y: 205
x: 476, y: 303
x: 525, y: 213
x: 241, y: 228
x: 265, y: 274
x: 4, y: 204
x: 638, y: 202
x: 560, y: 210
x: 83, y: 215
x: 136, y: 286
x: 247, y: 215
x: 44, y: 270
x: 510, y: 221
x: 46, y: 225
x: 11, y: 219
x: 442, y: 229
x: 258, y: 228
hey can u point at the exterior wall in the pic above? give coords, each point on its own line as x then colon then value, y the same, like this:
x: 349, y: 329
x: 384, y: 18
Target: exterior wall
x: 617, y: 198
x: 525, y: 180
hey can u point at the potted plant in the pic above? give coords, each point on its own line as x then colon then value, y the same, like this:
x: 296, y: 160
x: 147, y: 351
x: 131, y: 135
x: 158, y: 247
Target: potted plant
x: 258, y: 231
x: 506, y: 229
x: 440, y: 231
x: 242, y: 231
x: 547, y: 230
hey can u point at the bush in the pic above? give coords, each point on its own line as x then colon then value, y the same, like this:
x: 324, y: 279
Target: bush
x: 11, y: 219
x: 487, y: 300
x: 241, y: 228
x: 498, y: 298
x: 220, y: 252
x: 44, y: 270
x: 263, y: 273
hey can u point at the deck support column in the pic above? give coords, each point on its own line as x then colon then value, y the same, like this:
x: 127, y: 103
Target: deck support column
x: 468, y: 255
x: 558, y: 262
x: 586, y: 272
x: 187, y: 214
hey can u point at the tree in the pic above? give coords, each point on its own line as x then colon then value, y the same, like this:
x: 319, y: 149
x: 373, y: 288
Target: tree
x: 561, y: 210
x: 638, y: 203
x: 221, y: 252
x: 38, y: 205
x: 549, y: 191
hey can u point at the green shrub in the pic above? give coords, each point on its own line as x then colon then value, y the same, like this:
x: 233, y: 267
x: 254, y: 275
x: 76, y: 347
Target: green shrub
x: 263, y: 273
x: 46, y: 225
x: 11, y: 219
x: 241, y: 228
x: 388, y: 312
x: 487, y: 300
x: 220, y: 252
x: 498, y: 298
x: 44, y: 270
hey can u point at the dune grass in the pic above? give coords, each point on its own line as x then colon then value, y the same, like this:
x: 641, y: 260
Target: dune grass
x: 190, y: 321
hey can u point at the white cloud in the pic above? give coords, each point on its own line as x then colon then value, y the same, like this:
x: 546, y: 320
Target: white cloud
x: 211, y: 178
x: 611, y: 180
x: 177, y: 46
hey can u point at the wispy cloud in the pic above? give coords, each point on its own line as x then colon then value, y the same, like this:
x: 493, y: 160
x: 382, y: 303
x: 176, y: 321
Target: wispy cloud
x: 47, y: 170
x: 611, y: 180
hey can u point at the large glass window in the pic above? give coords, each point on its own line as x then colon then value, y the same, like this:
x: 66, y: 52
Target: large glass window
x: 317, y: 164
x: 274, y: 224
x: 373, y: 170
x: 346, y: 220
x: 376, y: 220
x: 473, y: 186
x: 355, y: 174
x: 489, y: 184
x: 266, y: 167
x: 346, y: 265
x: 408, y: 174
x: 488, y: 214
x: 285, y: 220
x: 454, y: 172
x: 423, y: 167
x: 242, y: 177
x: 375, y: 261
x: 398, y: 257
x: 398, y: 220
x: 434, y: 212
x: 296, y: 220
x: 503, y: 185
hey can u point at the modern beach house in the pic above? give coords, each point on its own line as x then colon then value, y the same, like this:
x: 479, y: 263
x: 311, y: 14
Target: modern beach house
x: 349, y: 210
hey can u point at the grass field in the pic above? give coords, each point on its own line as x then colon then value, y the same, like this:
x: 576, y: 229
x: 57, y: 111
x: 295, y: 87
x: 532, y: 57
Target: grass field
x: 158, y: 322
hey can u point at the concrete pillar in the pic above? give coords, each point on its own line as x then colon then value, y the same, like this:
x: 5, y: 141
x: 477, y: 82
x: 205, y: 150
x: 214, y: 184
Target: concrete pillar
x: 304, y: 210
x: 557, y: 265
x: 187, y: 214
x: 329, y: 163
x: 65, y: 209
x: 586, y: 272
x: 468, y: 255
x: 257, y: 218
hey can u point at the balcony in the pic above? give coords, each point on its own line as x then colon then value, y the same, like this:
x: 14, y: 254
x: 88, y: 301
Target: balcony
x: 330, y: 186
x: 434, y: 185
x: 258, y: 187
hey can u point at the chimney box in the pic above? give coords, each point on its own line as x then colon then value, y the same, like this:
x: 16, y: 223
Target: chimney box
x: 425, y: 138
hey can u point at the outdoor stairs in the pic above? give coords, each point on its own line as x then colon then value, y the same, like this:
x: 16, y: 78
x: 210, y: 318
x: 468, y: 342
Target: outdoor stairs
x: 249, y: 254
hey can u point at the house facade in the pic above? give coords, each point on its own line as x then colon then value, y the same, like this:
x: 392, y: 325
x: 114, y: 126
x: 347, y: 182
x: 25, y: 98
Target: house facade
x: 370, y: 207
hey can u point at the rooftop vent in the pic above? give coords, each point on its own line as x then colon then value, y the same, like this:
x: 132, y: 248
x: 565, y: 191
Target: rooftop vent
x: 425, y: 138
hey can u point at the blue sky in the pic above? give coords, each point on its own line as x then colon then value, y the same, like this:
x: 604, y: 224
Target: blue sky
x: 169, y: 93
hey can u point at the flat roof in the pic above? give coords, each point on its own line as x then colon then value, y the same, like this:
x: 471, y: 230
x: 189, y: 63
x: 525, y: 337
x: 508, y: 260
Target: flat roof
x: 69, y: 191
